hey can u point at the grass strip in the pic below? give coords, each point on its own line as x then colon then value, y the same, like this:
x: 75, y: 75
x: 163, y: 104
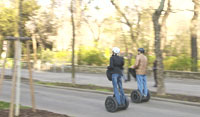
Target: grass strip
x: 128, y: 91
x: 6, y: 105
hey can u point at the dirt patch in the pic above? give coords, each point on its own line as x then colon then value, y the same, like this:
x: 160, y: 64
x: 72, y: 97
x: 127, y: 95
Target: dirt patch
x: 30, y: 113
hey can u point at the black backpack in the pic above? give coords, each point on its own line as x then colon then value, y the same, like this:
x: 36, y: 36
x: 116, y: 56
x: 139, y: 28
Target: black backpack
x: 132, y: 72
x: 109, y: 74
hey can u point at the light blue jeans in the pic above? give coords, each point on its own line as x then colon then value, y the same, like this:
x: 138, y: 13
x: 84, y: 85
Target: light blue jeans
x: 117, y: 83
x: 142, y: 84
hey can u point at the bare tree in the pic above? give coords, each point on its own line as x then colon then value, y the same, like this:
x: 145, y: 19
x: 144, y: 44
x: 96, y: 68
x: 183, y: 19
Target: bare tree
x: 97, y: 36
x: 128, y: 23
x: 73, y: 40
x: 193, y: 35
x: 158, y: 52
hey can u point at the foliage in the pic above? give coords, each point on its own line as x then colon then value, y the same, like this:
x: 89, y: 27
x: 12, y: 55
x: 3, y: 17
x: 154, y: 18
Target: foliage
x: 7, y: 22
x: 92, y: 56
x: 29, y: 7
x: 182, y: 62
x: 8, y: 17
x: 151, y: 60
x: 47, y: 55
x: 55, y: 57
x: 9, y: 63
x: 44, y: 23
x: 63, y: 56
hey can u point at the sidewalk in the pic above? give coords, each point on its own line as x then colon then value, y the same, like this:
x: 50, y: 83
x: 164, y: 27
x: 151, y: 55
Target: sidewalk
x: 189, y: 87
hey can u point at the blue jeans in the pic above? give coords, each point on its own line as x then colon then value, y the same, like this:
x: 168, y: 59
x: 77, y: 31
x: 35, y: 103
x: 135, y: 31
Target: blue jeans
x: 142, y: 84
x: 117, y: 83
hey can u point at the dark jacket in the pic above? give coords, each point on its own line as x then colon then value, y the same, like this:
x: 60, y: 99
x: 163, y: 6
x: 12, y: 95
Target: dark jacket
x: 116, y: 64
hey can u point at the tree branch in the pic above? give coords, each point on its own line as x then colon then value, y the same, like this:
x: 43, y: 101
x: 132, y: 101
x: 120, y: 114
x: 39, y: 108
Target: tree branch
x: 127, y: 21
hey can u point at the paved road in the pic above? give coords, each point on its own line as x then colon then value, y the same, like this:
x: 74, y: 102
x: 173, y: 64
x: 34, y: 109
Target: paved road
x: 173, y: 85
x: 88, y: 104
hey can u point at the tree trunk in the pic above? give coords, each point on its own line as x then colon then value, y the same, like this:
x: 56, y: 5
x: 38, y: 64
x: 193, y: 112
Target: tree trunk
x: 13, y: 84
x: 193, y: 36
x: 158, y: 52
x: 31, y: 79
x: 1, y: 44
x: 3, y: 66
x: 164, y: 27
x: 16, y: 59
x: 34, y: 43
x: 73, y: 41
x: 127, y: 54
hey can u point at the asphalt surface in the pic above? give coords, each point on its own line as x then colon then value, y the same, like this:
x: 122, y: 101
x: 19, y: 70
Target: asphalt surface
x: 173, y: 85
x: 88, y: 104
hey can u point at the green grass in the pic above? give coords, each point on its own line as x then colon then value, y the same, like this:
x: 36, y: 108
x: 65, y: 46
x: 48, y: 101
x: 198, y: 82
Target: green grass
x: 105, y: 90
x: 6, y: 105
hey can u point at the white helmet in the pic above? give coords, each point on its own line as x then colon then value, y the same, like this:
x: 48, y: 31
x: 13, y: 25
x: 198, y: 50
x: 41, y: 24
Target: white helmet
x: 116, y: 50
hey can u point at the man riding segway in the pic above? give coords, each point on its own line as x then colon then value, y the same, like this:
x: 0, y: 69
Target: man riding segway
x: 118, y: 100
x: 142, y: 94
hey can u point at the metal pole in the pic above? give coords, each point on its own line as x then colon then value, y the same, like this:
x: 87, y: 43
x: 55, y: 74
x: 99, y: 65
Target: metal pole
x: 17, y: 109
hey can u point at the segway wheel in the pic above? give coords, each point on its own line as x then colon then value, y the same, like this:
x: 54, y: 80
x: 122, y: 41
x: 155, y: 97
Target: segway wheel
x: 136, y: 96
x: 126, y: 103
x: 148, y: 97
x: 111, y: 104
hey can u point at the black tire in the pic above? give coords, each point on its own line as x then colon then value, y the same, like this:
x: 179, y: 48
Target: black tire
x: 136, y: 96
x: 111, y: 104
x: 148, y: 97
x: 126, y: 103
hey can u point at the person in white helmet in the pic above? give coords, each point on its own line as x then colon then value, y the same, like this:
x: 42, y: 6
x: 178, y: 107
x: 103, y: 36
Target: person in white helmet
x: 116, y: 67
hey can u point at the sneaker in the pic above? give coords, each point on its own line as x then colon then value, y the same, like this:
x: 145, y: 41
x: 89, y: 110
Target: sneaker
x: 144, y: 96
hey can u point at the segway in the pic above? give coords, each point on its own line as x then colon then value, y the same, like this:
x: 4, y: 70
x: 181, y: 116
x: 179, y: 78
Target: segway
x: 136, y: 97
x: 132, y: 72
x: 112, y: 105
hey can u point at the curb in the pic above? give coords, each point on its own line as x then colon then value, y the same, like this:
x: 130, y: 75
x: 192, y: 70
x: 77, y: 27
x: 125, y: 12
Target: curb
x: 176, y: 101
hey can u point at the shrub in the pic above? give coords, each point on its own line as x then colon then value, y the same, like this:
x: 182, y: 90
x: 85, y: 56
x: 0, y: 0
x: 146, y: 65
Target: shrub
x: 92, y: 56
x: 151, y: 60
x: 55, y: 57
x: 9, y: 63
x: 47, y: 55
x: 182, y: 62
